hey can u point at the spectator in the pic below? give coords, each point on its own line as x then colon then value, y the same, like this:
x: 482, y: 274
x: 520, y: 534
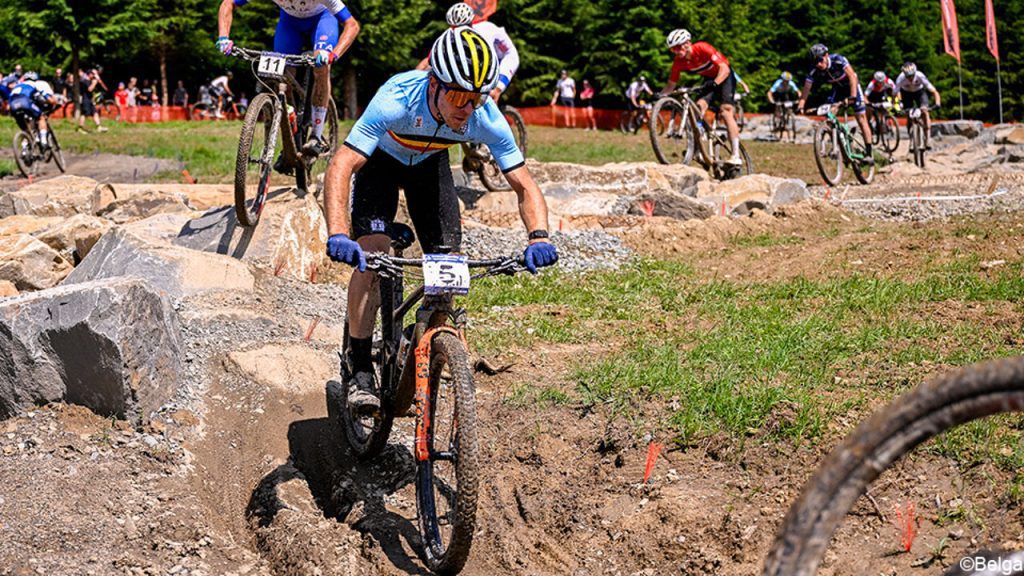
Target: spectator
x: 89, y: 82
x: 133, y: 92
x: 154, y: 100
x: 565, y: 96
x: 180, y: 95
x: 60, y: 87
x: 243, y: 101
x: 586, y: 101
x: 145, y: 96
x: 121, y: 95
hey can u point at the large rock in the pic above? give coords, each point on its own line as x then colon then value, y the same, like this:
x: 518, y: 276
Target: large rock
x: 159, y: 228
x: 73, y: 237
x: 199, y: 196
x: 30, y: 264
x: 290, y: 239
x: 292, y: 369
x: 627, y: 178
x: 172, y: 269
x: 968, y: 128
x: 144, y: 204
x: 26, y: 224
x: 1009, y: 134
x: 671, y: 206
x: 755, y: 191
x: 61, y: 196
x: 112, y: 345
x: 7, y: 288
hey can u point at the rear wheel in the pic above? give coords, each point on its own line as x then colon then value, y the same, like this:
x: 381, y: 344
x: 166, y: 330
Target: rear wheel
x: 892, y: 134
x: 447, y: 482
x: 56, y: 153
x: 25, y: 155
x: 109, y: 110
x: 827, y: 155
x: 625, y: 122
x: 723, y: 152
x: 254, y: 159
x: 929, y: 410
x: 670, y: 133
x: 310, y: 177
x: 518, y: 126
x: 864, y: 171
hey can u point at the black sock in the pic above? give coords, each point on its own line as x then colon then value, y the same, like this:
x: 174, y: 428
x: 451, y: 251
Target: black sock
x: 359, y: 354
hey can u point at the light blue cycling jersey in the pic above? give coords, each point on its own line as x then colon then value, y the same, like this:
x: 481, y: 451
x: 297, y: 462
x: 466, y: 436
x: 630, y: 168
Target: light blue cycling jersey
x: 779, y: 86
x: 398, y: 121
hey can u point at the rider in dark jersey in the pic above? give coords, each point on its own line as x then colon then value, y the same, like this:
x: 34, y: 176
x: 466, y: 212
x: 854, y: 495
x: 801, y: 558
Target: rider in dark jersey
x: 836, y: 70
x: 402, y: 141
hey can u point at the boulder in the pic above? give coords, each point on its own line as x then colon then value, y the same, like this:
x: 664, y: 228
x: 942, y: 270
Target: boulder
x: 159, y: 228
x: 111, y: 345
x: 671, y: 206
x: 968, y: 128
x: 754, y: 191
x: 197, y: 196
x: 7, y: 288
x: 26, y: 224
x: 172, y: 269
x: 30, y: 264
x: 629, y: 178
x: 74, y: 237
x: 145, y: 204
x: 290, y: 239
x: 61, y: 196
x: 293, y: 369
x: 1013, y: 134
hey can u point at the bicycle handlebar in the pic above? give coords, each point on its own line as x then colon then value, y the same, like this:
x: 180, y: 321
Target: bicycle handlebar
x: 290, y: 59
x: 380, y: 261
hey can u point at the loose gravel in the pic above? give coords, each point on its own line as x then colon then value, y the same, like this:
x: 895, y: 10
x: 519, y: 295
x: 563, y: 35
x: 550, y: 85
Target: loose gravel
x: 577, y: 250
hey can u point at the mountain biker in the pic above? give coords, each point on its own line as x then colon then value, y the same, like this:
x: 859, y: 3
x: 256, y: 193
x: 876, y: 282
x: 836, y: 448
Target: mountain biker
x: 218, y: 89
x: 402, y: 141
x: 836, y: 70
x: 462, y: 14
x: 879, y: 89
x: 782, y: 90
x: 910, y: 91
x: 304, y: 23
x: 635, y: 90
x: 32, y: 99
x: 720, y: 81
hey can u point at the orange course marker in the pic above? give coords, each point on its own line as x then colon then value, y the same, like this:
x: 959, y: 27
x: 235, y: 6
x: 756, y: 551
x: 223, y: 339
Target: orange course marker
x: 653, y: 449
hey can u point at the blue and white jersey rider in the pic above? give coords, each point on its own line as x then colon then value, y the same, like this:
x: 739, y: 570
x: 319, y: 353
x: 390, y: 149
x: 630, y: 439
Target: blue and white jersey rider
x: 399, y: 122
x: 302, y: 18
x: 27, y: 96
x: 782, y: 86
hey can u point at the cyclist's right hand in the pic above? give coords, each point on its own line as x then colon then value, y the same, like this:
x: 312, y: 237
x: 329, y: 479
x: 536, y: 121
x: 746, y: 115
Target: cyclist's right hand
x: 224, y: 44
x: 341, y: 248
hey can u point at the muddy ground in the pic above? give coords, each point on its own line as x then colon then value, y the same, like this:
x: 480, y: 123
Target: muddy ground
x: 247, y: 475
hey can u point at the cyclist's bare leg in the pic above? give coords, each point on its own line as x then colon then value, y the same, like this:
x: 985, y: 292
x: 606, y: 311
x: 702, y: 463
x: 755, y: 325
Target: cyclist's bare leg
x: 363, y: 295
x: 927, y: 125
x: 321, y: 91
x: 862, y: 121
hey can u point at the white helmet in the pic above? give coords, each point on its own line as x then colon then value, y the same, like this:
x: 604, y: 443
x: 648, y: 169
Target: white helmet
x: 677, y: 37
x: 879, y: 76
x: 909, y: 68
x: 462, y: 57
x: 460, y: 14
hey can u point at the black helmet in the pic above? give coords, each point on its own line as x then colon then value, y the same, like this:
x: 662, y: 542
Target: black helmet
x: 818, y: 50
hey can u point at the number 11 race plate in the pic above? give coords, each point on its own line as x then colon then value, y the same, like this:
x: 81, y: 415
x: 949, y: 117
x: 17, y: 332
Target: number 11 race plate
x: 271, y: 64
x: 445, y: 274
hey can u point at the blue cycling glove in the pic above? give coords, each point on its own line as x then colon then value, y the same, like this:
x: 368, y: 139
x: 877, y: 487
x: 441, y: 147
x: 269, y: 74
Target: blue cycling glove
x: 341, y: 248
x: 539, y: 255
x: 224, y: 44
x: 323, y: 58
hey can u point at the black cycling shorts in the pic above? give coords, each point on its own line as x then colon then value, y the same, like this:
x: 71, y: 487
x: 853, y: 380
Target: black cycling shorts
x: 429, y: 195
x: 917, y: 99
x: 877, y: 97
x: 724, y: 93
x: 88, y: 106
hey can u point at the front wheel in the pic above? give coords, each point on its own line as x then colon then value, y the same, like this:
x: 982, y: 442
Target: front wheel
x: 891, y: 134
x: 917, y: 143
x: 723, y: 152
x: 255, y: 157
x: 930, y: 409
x: 447, y: 481
x: 25, y: 155
x: 518, y: 126
x: 827, y: 155
x: 670, y: 132
x: 56, y: 153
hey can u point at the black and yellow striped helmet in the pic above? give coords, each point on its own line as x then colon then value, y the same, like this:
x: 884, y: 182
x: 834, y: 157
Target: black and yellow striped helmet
x: 462, y: 57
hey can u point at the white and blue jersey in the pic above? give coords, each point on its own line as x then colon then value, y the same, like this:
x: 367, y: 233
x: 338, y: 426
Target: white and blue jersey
x: 399, y: 122
x: 23, y: 97
x: 784, y: 86
x: 307, y: 23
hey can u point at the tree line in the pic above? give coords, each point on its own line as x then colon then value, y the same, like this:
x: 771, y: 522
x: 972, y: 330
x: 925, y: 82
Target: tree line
x: 607, y: 41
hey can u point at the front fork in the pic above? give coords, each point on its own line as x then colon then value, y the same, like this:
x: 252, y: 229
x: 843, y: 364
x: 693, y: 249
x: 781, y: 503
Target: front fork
x: 423, y: 440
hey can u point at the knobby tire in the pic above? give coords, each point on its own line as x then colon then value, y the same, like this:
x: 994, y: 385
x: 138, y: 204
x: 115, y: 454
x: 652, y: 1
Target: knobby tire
x: 250, y: 196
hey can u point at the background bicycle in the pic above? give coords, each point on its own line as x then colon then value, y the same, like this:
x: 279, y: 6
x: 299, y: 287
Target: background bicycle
x: 426, y: 362
x: 916, y: 133
x: 29, y: 153
x: 885, y: 131
x: 784, y: 120
x: 836, y: 143
x: 632, y: 121
x: 477, y: 158
x: 106, y: 107
x: 271, y: 115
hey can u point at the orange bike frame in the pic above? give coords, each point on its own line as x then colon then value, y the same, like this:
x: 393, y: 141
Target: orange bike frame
x: 422, y: 442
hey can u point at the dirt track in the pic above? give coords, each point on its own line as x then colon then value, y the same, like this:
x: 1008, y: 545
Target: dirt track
x: 248, y: 476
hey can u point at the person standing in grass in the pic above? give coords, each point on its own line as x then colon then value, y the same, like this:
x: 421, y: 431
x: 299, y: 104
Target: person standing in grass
x: 586, y: 101
x: 565, y: 96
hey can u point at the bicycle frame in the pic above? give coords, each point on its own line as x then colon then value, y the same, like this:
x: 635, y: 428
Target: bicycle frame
x: 841, y: 131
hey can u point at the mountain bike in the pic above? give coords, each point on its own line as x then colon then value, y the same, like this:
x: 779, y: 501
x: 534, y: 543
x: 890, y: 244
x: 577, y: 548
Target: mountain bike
x: 741, y: 116
x: 885, y: 131
x: 29, y: 152
x: 426, y: 363
x: 477, y: 158
x: 836, y: 143
x: 686, y: 136
x: 784, y: 120
x: 916, y: 131
x: 270, y: 114
x: 930, y: 409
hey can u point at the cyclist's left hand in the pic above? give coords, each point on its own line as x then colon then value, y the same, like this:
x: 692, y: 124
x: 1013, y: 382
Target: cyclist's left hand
x: 323, y: 58
x: 540, y: 254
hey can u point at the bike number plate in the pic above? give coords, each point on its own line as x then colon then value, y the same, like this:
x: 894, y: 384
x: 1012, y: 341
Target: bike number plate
x: 787, y: 104
x: 887, y: 105
x: 445, y: 274
x: 271, y: 64
x: 915, y: 113
x: 823, y: 109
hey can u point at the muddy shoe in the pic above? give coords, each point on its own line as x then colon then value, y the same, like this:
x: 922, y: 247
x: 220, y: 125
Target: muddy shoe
x: 282, y: 167
x: 361, y: 396
x: 315, y: 147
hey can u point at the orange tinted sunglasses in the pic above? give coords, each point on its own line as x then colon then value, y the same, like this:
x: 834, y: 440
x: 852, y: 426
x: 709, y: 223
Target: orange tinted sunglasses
x: 459, y: 98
